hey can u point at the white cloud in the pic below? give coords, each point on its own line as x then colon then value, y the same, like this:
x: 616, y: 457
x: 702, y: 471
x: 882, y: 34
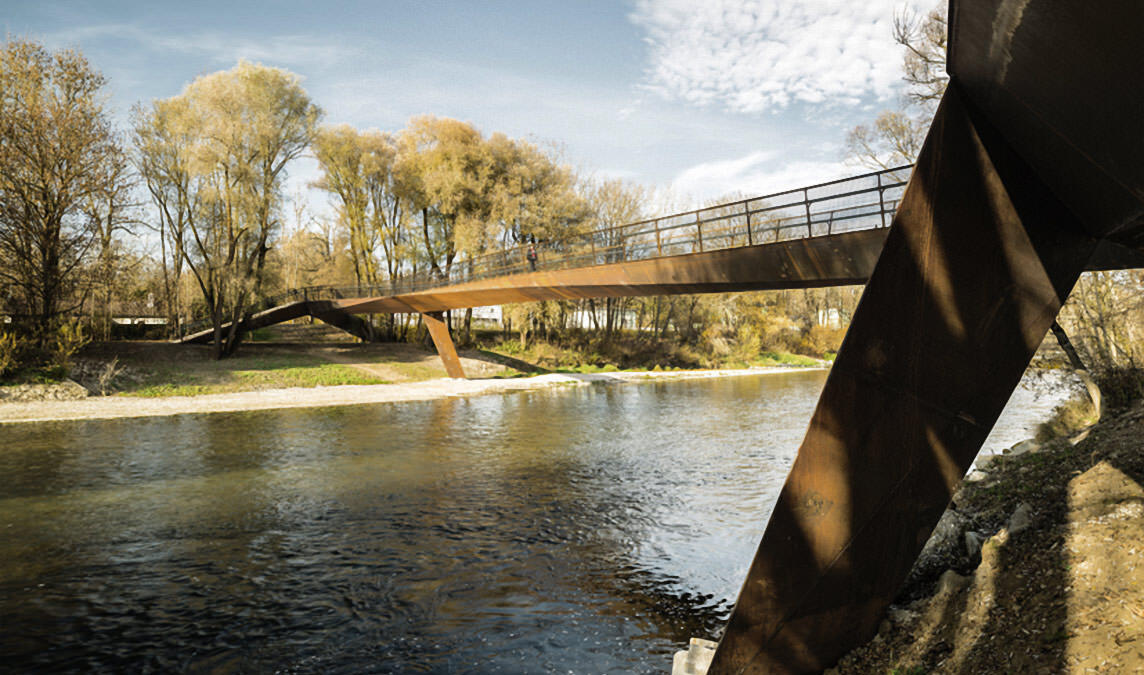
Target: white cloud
x: 763, y: 55
x: 756, y: 174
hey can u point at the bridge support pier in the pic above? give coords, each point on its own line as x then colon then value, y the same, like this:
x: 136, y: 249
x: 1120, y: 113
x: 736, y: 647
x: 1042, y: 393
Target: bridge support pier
x: 978, y: 261
x: 439, y: 331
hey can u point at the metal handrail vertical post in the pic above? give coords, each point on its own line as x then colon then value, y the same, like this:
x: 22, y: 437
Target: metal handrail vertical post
x: 806, y: 203
x: 747, y: 210
x: 699, y: 231
x: 658, y: 243
x: 881, y: 200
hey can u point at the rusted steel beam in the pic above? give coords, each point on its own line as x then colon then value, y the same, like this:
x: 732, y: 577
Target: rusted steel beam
x: 978, y: 261
x: 439, y: 331
x: 840, y: 259
x: 329, y: 312
x: 1061, y: 81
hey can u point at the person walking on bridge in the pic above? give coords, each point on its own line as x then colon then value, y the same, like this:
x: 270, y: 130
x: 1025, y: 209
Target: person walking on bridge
x: 531, y: 255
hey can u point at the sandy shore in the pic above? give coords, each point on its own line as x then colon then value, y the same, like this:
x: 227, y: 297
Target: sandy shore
x: 124, y: 406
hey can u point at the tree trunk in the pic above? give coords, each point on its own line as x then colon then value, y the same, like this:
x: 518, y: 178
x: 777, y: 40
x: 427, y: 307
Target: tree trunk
x: 1078, y: 367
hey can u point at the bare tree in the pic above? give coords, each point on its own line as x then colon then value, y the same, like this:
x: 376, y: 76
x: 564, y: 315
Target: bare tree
x: 110, y: 210
x: 895, y: 137
x: 923, y: 68
x: 57, y: 155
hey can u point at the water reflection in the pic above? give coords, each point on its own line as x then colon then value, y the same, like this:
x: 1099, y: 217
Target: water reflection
x: 592, y: 528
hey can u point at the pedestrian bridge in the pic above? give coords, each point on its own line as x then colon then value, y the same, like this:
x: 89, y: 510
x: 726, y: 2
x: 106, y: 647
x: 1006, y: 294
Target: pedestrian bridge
x: 828, y: 234
x: 820, y: 235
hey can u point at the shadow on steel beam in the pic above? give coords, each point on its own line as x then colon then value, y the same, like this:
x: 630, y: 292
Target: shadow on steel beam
x: 979, y: 259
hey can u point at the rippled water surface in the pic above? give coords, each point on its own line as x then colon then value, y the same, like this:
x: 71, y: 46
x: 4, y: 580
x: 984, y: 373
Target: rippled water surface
x: 588, y: 529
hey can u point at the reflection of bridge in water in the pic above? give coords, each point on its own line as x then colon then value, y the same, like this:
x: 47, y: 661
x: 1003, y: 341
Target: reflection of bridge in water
x: 1031, y: 173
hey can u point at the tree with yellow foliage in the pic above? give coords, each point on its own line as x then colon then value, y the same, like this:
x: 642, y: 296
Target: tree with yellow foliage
x: 215, y: 159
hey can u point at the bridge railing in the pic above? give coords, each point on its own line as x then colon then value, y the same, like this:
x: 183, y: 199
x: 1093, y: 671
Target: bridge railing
x: 858, y: 203
x: 847, y: 205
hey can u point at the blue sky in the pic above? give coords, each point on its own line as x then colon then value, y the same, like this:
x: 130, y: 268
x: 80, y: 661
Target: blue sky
x: 702, y: 98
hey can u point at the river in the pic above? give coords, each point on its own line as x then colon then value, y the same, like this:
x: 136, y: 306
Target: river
x: 582, y: 529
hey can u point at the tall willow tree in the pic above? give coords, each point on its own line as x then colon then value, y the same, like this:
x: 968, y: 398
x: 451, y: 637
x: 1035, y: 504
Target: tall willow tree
x: 57, y: 156
x: 528, y: 196
x: 357, y: 169
x: 214, y: 158
x: 341, y: 152
x: 440, y: 161
x: 477, y: 195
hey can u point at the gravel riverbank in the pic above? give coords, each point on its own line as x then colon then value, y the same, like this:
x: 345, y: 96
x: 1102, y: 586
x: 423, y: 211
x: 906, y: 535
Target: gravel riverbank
x: 107, y: 407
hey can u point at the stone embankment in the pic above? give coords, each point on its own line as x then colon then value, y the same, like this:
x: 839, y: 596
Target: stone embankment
x: 30, y: 393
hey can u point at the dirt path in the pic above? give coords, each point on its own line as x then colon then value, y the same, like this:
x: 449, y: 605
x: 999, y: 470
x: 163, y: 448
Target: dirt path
x: 354, y: 360
x: 400, y: 362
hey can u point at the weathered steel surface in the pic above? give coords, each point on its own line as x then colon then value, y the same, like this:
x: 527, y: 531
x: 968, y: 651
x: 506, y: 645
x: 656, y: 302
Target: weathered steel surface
x: 1062, y: 82
x: 1112, y: 256
x: 324, y: 310
x: 439, y: 331
x: 820, y: 261
x: 977, y: 263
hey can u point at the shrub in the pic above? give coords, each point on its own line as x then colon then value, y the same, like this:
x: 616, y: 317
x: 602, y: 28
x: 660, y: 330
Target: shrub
x: 1120, y: 386
x: 820, y: 340
x: 9, y: 353
x: 69, y: 339
x: 107, y: 375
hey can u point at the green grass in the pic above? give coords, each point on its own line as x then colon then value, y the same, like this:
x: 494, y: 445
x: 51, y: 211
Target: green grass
x: 415, y: 371
x: 549, y: 357
x: 261, y: 335
x: 785, y: 359
x: 324, y: 375
x: 243, y: 373
x: 168, y: 389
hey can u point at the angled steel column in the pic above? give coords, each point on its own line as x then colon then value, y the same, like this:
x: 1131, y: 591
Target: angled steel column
x: 978, y: 261
x: 439, y: 331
